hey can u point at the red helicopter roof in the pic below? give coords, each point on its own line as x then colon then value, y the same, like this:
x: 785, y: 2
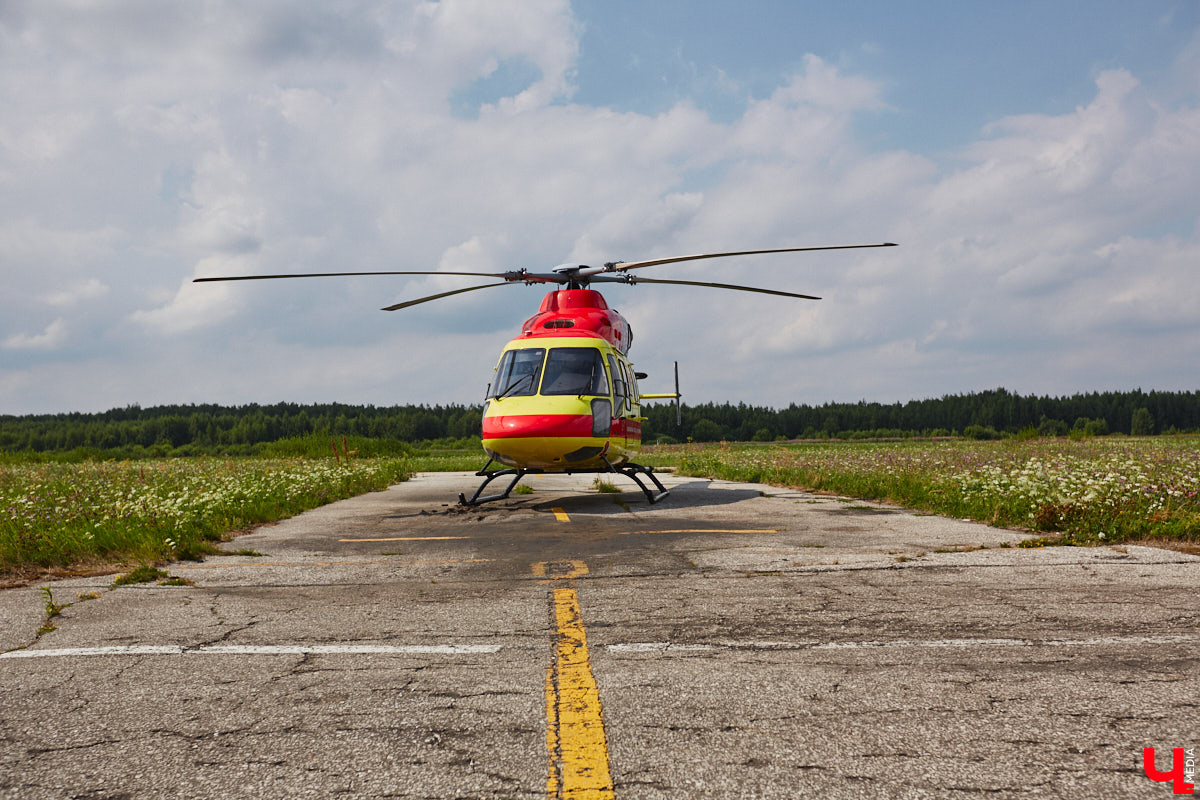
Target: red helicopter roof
x: 578, y: 312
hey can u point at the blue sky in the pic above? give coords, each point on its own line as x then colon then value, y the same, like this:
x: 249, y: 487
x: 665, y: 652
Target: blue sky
x: 947, y: 69
x: 1037, y: 162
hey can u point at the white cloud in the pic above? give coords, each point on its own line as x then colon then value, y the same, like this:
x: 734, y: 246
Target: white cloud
x: 466, y: 38
x: 49, y: 339
x: 155, y: 143
x: 194, y: 306
x: 47, y: 137
x: 821, y: 86
x: 1145, y: 284
x: 76, y: 293
x: 33, y: 248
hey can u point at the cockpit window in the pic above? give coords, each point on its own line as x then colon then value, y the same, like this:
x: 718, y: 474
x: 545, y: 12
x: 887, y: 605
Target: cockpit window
x: 575, y: 370
x: 517, y: 374
x: 619, y: 389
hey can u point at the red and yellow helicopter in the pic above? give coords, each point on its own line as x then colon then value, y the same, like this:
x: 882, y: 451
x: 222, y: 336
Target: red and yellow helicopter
x: 565, y: 397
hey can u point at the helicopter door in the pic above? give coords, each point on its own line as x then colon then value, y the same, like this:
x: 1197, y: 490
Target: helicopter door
x: 635, y: 403
x: 623, y: 400
x: 629, y: 413
x: 620, y: 395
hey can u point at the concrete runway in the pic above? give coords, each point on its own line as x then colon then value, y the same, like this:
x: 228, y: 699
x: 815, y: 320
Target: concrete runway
x: 734, y: 641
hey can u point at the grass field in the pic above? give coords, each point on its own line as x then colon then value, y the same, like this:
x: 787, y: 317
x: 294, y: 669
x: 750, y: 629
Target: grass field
x: 70, y: 516
x: 1097, y: 490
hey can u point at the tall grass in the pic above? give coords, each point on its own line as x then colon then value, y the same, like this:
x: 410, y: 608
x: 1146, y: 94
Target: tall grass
x: 62, y: 515
x: 1089, y: 491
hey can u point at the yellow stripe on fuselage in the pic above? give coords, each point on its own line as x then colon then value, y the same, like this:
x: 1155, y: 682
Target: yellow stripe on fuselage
x: 540, y: 404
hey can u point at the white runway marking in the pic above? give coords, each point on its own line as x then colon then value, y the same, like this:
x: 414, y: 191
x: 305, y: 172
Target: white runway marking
x: 671, y: 647
x: 116, y: 650
x: 260, y: 650
x: 661, y: 647
x: 624, y: 647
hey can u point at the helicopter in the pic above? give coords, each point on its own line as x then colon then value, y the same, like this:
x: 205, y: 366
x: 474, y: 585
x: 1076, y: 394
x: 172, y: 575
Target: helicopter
x: 565, y: 398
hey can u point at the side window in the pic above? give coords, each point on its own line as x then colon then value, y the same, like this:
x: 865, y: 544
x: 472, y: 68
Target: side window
x: 618, y: 379
x: 599, y: 376
x: 628, y: 386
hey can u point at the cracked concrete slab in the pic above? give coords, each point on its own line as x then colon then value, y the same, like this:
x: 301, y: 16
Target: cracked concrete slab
x: 746, y: 640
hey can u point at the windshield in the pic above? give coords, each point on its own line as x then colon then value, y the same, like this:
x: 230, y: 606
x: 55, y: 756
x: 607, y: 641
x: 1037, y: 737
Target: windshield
x: 517, y: 374
x: 575, y: 370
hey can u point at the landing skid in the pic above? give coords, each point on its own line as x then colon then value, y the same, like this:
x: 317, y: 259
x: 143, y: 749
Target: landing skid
x: 635, y: 472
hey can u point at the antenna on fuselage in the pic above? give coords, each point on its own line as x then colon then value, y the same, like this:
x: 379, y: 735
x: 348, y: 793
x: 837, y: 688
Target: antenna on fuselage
x: 678, y: 404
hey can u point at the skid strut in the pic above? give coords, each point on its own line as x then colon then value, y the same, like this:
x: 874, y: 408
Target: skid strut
x: 634, y: 472
x: 488, y: 477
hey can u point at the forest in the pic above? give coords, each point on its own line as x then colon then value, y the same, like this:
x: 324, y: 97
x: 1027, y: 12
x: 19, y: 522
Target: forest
x: 242, y: 430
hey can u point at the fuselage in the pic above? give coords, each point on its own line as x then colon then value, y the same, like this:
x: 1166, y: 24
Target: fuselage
x: 565, y: 395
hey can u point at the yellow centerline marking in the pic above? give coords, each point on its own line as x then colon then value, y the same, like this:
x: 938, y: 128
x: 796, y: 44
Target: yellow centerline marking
x: 552, y: 569
x: 560, y: 515
x: 575, y: 736
x: 408, y: 539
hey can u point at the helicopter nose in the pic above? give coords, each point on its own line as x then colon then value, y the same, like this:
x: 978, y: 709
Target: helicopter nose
x: 549, y: 441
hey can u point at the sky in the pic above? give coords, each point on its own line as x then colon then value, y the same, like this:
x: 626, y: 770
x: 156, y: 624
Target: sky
x: 1036, y: 162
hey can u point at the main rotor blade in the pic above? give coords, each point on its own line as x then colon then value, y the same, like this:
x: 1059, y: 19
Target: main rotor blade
x: 439, y: 296
x: 621, y: 266
x: 339, y: 275
x: 635, y: 281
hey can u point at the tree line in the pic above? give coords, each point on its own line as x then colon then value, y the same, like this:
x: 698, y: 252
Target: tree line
x: 194, y: 429
x: 986, y: 414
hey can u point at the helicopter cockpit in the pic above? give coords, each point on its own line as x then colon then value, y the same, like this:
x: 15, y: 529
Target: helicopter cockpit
x: 522, y: 372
